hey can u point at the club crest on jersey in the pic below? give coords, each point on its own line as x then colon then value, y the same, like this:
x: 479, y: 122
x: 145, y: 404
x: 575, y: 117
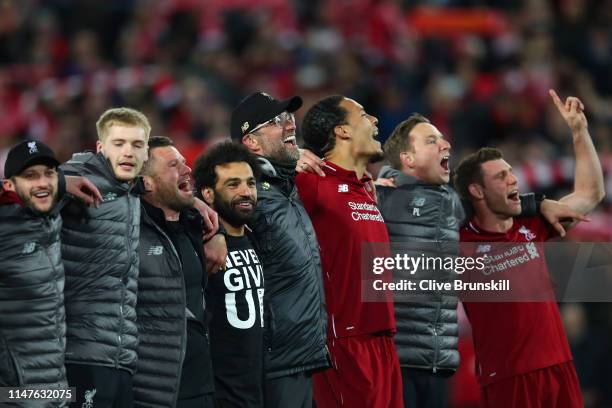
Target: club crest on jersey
x: 418, y: 201
x: 343, y: 188
x: 110, y: 196
x: 529, y: 236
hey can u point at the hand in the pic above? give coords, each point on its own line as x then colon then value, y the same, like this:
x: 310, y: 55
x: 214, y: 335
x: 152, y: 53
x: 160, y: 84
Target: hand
x: 309, y: 163
x: 557, y: 213
x: 216, y: 254
x: 83, y: 189
x: 210, y: 216
x: 370, y: 187
x: 388, y: 182
x: 572, y: 111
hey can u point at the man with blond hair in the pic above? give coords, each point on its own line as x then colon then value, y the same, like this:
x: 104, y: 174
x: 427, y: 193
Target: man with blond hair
x: 100, y: 254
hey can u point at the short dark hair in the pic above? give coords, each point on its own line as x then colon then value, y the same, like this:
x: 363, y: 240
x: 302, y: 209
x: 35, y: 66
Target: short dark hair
x: 469, y: 169
x: 220, y: 154
x: 153, y: 143
x: 159, y: 141
x: 400, y: 139
x: 319, y: 123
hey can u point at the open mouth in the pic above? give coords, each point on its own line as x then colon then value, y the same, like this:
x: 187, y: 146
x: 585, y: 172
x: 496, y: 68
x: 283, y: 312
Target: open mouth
x: 42, y: 194
x: 513, y: 196
x: 290, y: 141
x: 444, y: 162
x: 244, y: 205
x: 185, y: 186
x: 127, y: 166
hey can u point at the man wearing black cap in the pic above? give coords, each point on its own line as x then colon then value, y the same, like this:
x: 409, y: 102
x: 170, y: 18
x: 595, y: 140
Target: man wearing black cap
x: 28, y: 165
x: 295, y: 316
x: 32, y: 317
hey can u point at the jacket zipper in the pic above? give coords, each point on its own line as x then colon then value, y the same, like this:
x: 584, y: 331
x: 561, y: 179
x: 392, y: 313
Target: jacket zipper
x: 47, y: 228
x: 184, y: 298
x: 125, y: 275
x: 320, y: 289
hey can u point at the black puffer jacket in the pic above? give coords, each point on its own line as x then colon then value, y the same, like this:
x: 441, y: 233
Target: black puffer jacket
x: 32, y: 318
x: 415, y: 212
x: 100, y: 253
x: 296, y: 318
x: 161, y: 315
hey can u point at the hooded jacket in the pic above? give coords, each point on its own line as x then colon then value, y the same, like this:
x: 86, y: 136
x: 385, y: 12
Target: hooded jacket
x: 100, y: 254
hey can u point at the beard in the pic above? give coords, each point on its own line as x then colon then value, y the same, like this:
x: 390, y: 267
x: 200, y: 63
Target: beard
x: 171, y: 197
x: 28, y: 201
x: 230, y: 212
x: 376, y: 157
x: 280, y: 153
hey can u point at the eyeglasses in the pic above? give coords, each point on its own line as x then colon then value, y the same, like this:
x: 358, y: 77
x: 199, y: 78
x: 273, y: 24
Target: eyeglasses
x: 281, y: 120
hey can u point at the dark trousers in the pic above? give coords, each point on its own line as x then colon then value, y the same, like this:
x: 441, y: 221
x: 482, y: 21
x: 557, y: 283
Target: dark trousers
x: 289, y: 391
x: 424, y: 389
x: 100, y: 387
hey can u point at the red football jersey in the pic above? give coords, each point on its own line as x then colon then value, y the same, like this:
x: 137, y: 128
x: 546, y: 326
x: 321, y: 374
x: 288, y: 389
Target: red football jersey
x: 345, y: 217
x: 512, y: 338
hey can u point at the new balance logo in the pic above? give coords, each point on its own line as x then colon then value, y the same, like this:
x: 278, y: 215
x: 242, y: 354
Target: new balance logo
x: 155, y: 250
x: 28, y: 248
x: 483, y: 249
x: 343, y: 188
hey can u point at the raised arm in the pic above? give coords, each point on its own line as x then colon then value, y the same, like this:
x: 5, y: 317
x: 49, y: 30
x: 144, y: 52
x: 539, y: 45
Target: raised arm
x: 588, y: 174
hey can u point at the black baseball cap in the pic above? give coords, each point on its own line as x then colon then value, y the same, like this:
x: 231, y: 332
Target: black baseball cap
x: 256, y: 109
x: 26, y: 154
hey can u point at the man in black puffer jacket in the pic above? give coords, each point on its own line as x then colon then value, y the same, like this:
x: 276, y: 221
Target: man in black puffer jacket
x: 100, y: 254
x: 296, y: 320
x: 32, y: 318
x: 174, y: 364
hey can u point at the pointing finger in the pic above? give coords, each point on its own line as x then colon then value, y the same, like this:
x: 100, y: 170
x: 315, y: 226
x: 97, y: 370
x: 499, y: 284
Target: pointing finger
x: 556, y: 100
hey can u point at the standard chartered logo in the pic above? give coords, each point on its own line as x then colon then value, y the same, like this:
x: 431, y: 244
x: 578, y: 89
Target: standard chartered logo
x: 364, y: 212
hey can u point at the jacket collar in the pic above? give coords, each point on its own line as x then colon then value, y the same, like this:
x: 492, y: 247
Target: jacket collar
x: 11, y: 197
x: 189, y: 217
x: 402, y: 179
x: 273, y: 169
x: 101, y: 165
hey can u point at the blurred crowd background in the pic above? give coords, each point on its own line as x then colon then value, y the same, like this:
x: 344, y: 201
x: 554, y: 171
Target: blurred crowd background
x: 480, y: 70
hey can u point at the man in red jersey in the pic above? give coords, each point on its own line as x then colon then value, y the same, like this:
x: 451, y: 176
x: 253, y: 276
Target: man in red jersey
x: 522, y: 352
x: 344, y: 214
